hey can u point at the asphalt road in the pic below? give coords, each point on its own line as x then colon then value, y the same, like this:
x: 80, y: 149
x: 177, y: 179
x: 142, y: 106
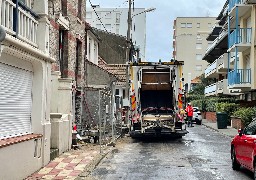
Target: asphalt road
x: 202, y: 154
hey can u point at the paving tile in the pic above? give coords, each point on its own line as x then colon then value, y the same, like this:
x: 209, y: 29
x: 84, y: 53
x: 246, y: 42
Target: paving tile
x: 55, y: 171
x: 80, y: 167
x: 59, y: 177
x: 75, y: 173
x: 65, y: 172
x: 48, y: 176
x: 76, y: 161
x: 58, y: 159
x: 52, y: 164
x: 45, y: 170
x: 72, y: 156
x: 61, y: 165
x: 70, y: 177
x: 67, y: 160
x: 85, y: 161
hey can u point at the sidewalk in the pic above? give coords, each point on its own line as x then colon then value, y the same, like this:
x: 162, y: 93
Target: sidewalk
x: 72, y: 164
x: 230, y: 132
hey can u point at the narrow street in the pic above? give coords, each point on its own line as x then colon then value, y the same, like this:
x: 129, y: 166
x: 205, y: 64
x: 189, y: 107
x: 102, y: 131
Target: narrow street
x: 201, y: 154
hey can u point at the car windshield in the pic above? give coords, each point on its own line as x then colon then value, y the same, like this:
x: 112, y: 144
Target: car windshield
x: 195, y: 109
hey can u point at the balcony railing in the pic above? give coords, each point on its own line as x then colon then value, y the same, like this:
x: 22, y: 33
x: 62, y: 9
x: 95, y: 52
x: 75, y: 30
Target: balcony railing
x: 239, y: 76
x: 19, y: 22
x: 232, y: 3
x: 210, y: 89
x: 241, y: 35
x: 211, y: 68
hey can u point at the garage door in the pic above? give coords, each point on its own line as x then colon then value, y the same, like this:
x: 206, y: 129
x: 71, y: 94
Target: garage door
x: 15, y: 101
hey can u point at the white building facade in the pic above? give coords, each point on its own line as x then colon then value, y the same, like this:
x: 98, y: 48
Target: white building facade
x: 25, y: 88
x: 114, y: 20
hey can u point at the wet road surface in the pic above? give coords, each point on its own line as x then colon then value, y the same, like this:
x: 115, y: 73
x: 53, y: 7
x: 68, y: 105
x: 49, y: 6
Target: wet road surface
x: 203, y: 154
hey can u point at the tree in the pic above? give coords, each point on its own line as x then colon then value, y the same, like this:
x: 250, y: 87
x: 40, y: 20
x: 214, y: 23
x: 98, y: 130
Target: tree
x: 199, y: 88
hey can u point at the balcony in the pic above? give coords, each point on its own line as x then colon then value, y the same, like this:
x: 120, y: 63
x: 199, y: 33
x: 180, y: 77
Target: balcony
x: 240, y: 38
x: 222, y: 88
x: 218, y: 47
x: 239, y: 7
x: 19, y: 22
x: 222, y: 63
x: 211, y: 90
x: 210, y: 71
x: 239, y: 79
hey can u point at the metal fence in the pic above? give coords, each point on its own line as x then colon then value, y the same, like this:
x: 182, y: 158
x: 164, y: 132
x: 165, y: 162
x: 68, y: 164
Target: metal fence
x: 97, y: 124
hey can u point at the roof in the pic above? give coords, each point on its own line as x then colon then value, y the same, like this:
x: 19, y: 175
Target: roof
x: 119, y: 70
x: 196, y: 80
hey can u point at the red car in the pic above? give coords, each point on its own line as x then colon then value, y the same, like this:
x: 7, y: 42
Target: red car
x: 243, y: 149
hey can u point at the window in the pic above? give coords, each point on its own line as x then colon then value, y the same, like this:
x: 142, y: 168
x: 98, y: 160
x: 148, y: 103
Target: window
x: 89, y: 49
x: 198, y: 57
x: 117, y: 28
x: 108, y: 27
x: 198, y: 37
x: 198, y: 25
x: 198, y: 45
x: 118, y: 17
x: 88, y: 15
x: 209, y: 44
x: 79, y: 9
x: 198, y: 68
x: 98, y: 26
x: 250, y: 129
x: 189, y: 25
x: 123, y: 93
x: 108, y: 15
x: 78, y: 59
x: 183, y: 25
x: 117, y: 91
x: 62, y: 47
x: 209, y: 25
x: 64, y: 8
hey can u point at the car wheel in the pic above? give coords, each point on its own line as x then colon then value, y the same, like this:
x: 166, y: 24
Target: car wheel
x: 235, y: 164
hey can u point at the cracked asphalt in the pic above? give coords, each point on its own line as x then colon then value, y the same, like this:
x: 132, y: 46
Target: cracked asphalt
x: 202, y: 154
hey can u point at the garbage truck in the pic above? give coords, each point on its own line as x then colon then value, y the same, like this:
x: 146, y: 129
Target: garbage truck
x: 156, y: 97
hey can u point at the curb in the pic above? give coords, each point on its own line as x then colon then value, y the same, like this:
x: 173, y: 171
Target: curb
x: 230, y: 136
x: 93, y: 164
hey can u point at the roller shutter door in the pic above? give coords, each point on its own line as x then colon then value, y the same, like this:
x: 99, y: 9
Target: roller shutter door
x: 15, y: 101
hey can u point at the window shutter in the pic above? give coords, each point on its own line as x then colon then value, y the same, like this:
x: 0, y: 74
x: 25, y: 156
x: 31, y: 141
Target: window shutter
x: 15, y: 101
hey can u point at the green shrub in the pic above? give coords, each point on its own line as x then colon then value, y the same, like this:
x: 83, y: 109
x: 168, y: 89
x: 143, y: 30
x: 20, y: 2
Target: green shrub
x: 246, y: 114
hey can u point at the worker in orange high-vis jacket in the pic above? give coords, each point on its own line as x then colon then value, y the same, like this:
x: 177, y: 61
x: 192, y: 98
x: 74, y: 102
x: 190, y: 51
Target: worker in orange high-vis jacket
x: 189, y: 111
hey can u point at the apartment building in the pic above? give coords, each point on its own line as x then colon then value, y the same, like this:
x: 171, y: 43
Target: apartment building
x: 217, y: 56
x: 190, y: 44
x: 232, y: 53
x: 114, y: 20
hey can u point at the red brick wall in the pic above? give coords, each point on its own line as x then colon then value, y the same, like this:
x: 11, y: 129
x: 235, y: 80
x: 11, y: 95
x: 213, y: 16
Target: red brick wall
x: 211, y: 116
x: 236, y: 123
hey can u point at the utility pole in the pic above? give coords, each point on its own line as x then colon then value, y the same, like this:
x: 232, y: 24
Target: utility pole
x: 129, y: 21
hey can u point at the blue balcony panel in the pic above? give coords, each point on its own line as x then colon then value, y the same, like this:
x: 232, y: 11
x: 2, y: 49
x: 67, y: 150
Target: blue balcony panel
x: 239, y: 78
x: 240, y: 38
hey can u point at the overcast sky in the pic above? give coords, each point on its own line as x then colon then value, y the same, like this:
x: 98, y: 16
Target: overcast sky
x: 160, y: 22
